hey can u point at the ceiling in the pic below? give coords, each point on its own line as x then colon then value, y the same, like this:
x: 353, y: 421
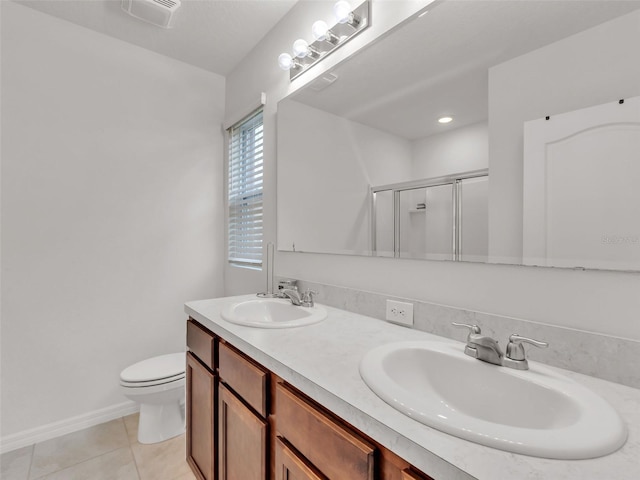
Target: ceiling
x: 438, y: 64
x: 211, y: 34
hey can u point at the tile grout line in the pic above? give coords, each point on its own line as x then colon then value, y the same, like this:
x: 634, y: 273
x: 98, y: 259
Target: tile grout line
x: 131, y: 442
x: 83, y: 461
x: 74, y: 465
x: 135, y: 462
x: 33, y: 451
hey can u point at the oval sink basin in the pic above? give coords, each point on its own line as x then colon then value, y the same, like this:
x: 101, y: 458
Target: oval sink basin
x: 272, y: 313
x: 533, y: 412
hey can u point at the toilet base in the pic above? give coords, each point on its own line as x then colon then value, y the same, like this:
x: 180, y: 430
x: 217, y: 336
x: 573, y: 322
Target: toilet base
x: 160, y: 422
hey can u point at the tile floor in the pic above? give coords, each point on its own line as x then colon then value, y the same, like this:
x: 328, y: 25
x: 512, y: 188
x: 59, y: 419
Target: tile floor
x: 109, y: 451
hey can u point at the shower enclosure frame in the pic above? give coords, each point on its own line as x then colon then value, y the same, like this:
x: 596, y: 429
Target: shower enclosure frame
x: 455, y: 180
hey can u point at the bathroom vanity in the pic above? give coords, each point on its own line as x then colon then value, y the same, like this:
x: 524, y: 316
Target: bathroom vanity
x: 248, y: 440
x: 290, y: 403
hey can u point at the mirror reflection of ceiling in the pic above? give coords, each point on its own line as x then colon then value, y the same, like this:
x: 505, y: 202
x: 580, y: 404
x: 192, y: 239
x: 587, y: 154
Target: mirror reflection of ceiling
x: 415, y: 85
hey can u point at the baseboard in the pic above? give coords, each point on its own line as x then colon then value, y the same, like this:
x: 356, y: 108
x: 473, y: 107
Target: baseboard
x: 70, y: 425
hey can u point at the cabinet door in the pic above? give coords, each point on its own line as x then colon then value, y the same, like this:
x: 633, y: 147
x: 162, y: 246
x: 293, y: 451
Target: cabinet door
x: 291, y: 466
x: 201, y: 407
x: 242, y: 440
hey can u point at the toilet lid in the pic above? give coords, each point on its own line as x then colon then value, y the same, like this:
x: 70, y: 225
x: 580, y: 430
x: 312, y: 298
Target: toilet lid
x: 155, y: 368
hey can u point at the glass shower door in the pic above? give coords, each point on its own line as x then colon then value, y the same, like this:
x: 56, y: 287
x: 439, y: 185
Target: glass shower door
x: 426, y: 221
x: 473, y: 219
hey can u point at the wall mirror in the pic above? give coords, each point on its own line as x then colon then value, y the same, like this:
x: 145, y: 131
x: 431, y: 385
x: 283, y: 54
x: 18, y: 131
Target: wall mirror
x: 539, y: 165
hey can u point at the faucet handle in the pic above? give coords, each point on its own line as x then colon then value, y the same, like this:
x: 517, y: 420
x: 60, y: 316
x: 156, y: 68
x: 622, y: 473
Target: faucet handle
x: 307, y: 297
x: 473, y: 329
x: 515, y: 357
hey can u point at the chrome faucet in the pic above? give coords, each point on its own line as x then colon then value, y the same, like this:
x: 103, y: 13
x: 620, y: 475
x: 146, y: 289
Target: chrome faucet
x: 306, y: 300
x: 487, y: 349
x: 480, y: 346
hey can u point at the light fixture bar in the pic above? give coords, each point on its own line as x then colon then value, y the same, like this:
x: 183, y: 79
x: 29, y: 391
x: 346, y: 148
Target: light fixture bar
x: 336, y: 36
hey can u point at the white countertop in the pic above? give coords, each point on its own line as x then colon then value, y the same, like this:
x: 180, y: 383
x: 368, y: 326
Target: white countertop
x: 322, y: 361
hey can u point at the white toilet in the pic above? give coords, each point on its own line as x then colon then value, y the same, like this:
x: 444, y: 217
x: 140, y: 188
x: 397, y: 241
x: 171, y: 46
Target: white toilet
x: 158, y: 384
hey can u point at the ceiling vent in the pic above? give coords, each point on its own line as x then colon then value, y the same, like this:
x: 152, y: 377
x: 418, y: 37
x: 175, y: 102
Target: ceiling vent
x: 157, y: 12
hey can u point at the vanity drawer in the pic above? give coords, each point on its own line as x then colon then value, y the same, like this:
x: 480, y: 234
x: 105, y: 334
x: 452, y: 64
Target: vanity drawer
x: 248, y: 379
x: 289, y: 465
x: 408, y: 474
x: 338, y: 452
x: 392, y: 467
x: 202, y: 343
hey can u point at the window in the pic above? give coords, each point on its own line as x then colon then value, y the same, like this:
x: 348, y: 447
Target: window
x: 245, y: 192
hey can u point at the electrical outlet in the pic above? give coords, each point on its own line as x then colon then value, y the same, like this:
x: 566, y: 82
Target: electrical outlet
x: 400, y: 312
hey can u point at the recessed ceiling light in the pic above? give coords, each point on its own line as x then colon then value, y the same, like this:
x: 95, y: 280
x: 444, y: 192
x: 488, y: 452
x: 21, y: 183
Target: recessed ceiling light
x: 445, y: 120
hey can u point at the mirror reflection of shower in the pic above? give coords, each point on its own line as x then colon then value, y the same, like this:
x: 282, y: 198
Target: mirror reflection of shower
x: 376, y: 124
x: 442, y: 218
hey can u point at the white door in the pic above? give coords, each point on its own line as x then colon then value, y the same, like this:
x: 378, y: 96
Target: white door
x: 581, y: 188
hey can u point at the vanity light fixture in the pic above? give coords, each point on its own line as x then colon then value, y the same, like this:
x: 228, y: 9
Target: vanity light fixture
x: 320, y: 31
x: 446, y: 119
x: 350, y: 22
x: 287, y: 62
x: 344, y: 14
x: 302, y: 49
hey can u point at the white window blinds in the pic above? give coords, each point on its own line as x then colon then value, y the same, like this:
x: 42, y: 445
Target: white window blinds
x: 245, y: 192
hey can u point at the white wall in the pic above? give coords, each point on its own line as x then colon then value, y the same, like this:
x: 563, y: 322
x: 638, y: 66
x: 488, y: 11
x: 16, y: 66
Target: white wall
x: 455, y: 151
x: 592, y: 300
x: 111, y: 208
x: 333, y: 161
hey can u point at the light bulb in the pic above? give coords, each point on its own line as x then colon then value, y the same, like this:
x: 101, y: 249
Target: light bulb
x: 300, y: 48
x: 320, y: 30
x: 285, y: 61
x: 446, y: 119
x: 342, y: 11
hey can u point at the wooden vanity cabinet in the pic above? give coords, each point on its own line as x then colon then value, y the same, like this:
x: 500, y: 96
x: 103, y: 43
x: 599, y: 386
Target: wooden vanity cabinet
x: 313, y: 444
x: 245, y: 423
x: 242, y: 419
x: 201, y: 401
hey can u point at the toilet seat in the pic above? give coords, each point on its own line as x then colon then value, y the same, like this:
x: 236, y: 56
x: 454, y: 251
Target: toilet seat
x: 154, y: 371
x: 152, y: 383
x: 145, y: 391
